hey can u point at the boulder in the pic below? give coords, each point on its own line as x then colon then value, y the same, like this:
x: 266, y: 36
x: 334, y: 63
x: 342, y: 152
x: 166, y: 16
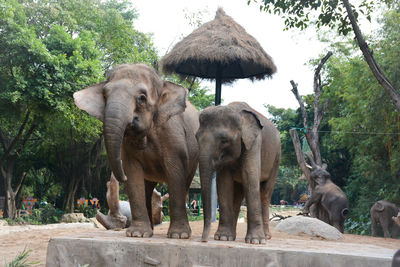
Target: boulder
x: 73, y: 218
x: 300, y: 225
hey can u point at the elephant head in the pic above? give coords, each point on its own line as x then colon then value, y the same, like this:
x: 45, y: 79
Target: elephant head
x: 130, y: 102
x: 225, y: 133
x: 319, y: 175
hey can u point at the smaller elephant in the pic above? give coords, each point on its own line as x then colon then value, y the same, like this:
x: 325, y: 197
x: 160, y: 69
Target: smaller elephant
x: 382, y: 212
x: 243, y: 148
x: 328, y: 196
x: 119, y: 215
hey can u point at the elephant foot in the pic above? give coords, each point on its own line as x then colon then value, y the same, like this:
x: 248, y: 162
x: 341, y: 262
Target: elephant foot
x: 139, y: 229
x: 111, y: 222
x: 225, y: 234
x: 255, y: 236
x: 267, y: 232
x: 179, y: 231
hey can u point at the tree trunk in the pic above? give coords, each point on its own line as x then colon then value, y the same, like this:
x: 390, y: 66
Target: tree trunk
x: 69, y: 198
x: 373, y: 65
x: 7, y: 174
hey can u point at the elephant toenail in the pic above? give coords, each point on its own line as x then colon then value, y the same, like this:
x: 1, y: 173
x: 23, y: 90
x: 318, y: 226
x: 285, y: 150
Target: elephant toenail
x: 263, y: 241
x: 255, y: 241
x: 137, y: 234
x: 184, y: 236
x: 216, y: 237
x: 223, y: 238
x: 231, y: 238
x: 175, y: 235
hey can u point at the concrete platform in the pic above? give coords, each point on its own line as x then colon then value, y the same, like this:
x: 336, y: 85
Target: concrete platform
x: 112, y: 248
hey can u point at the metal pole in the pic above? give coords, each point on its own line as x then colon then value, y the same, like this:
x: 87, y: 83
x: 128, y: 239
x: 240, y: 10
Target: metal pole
x: 214, y: 198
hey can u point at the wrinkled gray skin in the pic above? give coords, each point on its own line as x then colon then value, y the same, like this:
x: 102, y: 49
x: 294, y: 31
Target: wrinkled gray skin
x: 149, y: 125
x: 119, y: 216
x: 396, y: 219
x: 328, y: 197
x: 244, y: 149
x: 382, y: 212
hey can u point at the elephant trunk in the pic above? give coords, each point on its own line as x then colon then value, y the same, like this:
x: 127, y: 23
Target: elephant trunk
x: 206, y: 171
x: 115, y: 121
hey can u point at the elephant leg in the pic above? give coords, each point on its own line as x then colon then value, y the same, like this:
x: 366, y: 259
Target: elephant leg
x: 395, y: 230
x: 385, y: 226
x: 135, y: 185
x: 149, y: 187
x: 237, y: 202
x: 179, y: 226
x: 373, y: 226
x: 266, y: 189
x: 251, y: 187
x: 225, y: 192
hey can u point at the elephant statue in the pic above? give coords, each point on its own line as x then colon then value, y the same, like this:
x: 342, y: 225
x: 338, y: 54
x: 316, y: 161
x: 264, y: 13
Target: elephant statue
x: 382, y: 212
x: 149, y: 131
x: 328, y: 197
x: 119, y: 216
x: 243, y: 148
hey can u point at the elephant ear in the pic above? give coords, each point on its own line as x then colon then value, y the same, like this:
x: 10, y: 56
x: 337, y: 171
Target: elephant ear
x: 91, y: 100
x: 251, y: 127
x: 172, y: 101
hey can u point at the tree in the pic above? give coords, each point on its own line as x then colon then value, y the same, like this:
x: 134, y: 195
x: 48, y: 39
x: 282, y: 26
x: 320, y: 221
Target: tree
x: 49, y: 50
x: 340, y: 15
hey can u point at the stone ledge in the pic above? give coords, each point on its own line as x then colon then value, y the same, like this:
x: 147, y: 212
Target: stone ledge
x: 110, y: 248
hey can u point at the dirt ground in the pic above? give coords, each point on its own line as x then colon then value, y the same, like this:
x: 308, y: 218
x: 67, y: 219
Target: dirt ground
x: 13, y: 239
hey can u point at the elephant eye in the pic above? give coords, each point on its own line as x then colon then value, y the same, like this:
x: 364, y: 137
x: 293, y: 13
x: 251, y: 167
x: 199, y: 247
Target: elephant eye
x: 142, y: 99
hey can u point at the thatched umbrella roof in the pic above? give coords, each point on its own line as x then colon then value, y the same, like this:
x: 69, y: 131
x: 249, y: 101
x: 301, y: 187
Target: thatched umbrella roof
x: 220, y: 45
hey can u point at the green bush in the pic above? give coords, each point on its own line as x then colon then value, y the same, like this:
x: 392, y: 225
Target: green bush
x: 358, y: 226
x: 88, y: 211
x: 49, y: 214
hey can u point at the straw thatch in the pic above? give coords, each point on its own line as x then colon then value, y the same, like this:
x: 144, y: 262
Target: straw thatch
x: 220, y: 43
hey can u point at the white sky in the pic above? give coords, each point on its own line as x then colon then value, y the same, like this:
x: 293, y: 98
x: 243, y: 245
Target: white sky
x: 290, y: 50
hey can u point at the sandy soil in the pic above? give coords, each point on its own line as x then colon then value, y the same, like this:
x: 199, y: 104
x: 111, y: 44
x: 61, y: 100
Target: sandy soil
x: 13, y: 239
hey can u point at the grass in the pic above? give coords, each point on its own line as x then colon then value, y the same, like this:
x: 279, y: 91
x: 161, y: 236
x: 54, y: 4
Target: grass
x: 21, y: 260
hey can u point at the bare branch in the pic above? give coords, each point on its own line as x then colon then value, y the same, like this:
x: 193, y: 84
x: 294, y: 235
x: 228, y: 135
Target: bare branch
x: 21, y: 181
x: 301, y: 103
x: 299, y: 154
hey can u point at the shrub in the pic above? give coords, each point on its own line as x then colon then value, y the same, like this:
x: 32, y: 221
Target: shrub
x: 21, y: 260
x: 358, y: 226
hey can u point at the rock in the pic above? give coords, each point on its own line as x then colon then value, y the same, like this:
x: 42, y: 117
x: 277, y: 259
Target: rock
x: 299, y: 225
x: 73, y: 218
x: 3, y: 223
x: 96, y: 223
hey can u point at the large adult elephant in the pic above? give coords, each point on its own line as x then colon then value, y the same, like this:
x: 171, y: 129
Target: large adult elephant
x: 149, y: 125
x: 244, y: 149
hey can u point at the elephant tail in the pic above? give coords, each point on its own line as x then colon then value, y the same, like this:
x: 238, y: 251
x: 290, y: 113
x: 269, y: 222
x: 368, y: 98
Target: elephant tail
x: 345, y: 212
x: 379, y: 206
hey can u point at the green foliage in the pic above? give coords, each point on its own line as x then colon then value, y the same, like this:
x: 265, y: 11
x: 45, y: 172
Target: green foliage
x: 88, y: 211
x: 300, y: 14
x: 358, y: 226
x: 49, y: 214
x: 21, y: 260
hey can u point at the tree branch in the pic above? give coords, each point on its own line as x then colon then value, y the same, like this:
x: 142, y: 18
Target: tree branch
x: 17, y: 137
x: 373, y: 65
x: 300, y: 157
x: 3, y: 140
x: 301, y: 103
